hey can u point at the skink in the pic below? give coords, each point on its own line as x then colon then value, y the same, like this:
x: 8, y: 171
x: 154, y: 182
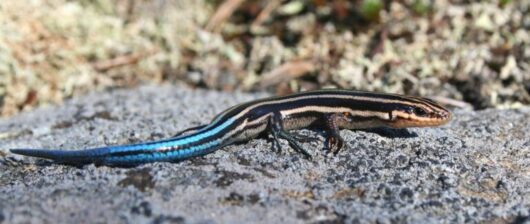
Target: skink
x: 327, y: 110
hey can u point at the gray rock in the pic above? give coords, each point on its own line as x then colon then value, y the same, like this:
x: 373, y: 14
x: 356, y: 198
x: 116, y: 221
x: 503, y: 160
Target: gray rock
x: 475, y: 169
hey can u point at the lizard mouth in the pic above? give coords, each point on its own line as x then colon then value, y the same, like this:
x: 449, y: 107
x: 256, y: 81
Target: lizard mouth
x: 421, y: 122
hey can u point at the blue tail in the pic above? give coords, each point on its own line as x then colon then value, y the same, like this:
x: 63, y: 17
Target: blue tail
x: 77, y: 157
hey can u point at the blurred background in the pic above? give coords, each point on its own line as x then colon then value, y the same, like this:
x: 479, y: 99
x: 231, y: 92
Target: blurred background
x: 467, y: 54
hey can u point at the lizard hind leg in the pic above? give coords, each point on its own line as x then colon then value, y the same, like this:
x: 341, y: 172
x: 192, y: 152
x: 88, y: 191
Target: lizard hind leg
x: 277, y: 131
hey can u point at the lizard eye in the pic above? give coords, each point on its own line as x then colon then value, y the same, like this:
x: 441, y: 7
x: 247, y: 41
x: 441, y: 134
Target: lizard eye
x: 419, y: 112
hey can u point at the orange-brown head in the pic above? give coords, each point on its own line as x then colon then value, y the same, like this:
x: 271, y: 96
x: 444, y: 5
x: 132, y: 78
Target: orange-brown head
x: 418, y: 112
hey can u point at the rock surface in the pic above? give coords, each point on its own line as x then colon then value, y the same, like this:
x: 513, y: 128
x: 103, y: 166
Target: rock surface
x: 476, y: 168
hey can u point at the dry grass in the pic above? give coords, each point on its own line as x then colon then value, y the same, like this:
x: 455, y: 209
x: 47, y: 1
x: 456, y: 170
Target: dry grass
x: 55, y: 49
